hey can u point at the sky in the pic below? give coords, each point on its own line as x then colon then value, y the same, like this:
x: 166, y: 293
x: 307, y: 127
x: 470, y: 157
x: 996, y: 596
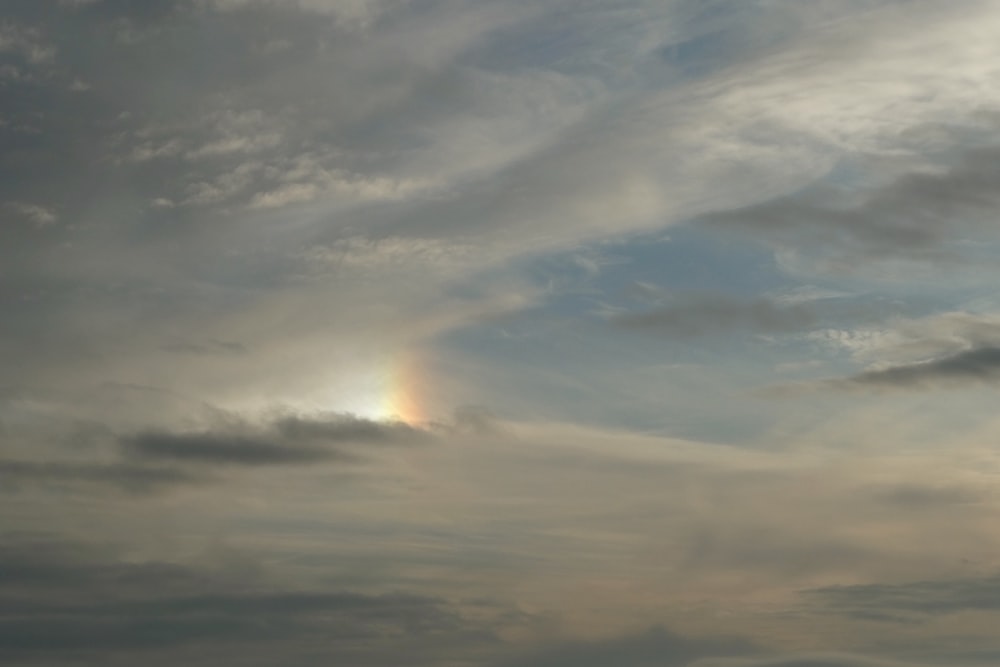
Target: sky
x: 499, y: 333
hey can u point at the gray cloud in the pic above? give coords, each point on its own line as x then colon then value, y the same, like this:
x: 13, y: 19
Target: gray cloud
x: 919, y: 216
x: 660, y: 648
x: 921, y: 497
x: 244, y: 618
x: 976, y: 366
x: 833, y: 660
x: 946, y: 349
x: 207, y: 348
x: 657, y: 646
x: 144, y: 196
x: 922, y: 598
x: 335, y: 190
x: 43, y: 562
x: 290, y: 439
x: 64, y: 600
x: 219, y: 448
x: 116, y: 476
x: 719, y: 314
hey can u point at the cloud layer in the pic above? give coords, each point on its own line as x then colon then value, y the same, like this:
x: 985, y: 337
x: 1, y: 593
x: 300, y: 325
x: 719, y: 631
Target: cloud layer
x: 376, y: 332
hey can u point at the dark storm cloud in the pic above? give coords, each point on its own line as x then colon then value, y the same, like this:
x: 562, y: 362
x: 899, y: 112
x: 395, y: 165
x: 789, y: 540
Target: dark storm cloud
x: 976, y: 366
x: 116, y: 476
x: 717, y: 313
x: 63, y: 600
x: 921, y: 598
x: 918, y: 216
x: 287, y: 440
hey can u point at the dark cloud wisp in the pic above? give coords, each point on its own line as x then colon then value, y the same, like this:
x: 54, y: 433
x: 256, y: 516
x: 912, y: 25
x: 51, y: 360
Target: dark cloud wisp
x: 920, y: 597
x: 919, y: 216
x: 206, y: 447
x: 288, y: 440
x: 975, y: 366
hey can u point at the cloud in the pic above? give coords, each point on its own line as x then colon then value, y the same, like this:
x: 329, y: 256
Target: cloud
x: 64, y: 600
x: 976, y: 366
x: 922, y: 598
x: 720, y: 314
x: 249, y: 619
x: 288, y: 440
x: 354, y: 190
x: 656, y: 646
x: 949, y: 349
x: 46, y: 562
x: 345, y: 428
x: 218, y: 448
x: 116, y: 476
x: 925, y: 497
x: 816, y: 660
x: 27, y: 42
x: 911, y: 340
x: 416, y: 139
x: 39, y: 216
x: 923, y: 216
x: 208, y: 347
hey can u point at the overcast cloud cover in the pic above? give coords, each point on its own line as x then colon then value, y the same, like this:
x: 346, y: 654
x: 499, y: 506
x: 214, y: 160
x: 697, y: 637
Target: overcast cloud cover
x: 468, y: 333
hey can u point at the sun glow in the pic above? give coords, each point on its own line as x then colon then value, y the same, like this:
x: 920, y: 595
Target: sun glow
x: 387, y: 390
x: 402, y: 400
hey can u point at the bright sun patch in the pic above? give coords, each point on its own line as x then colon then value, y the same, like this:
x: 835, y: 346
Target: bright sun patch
x: 387, y: 390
